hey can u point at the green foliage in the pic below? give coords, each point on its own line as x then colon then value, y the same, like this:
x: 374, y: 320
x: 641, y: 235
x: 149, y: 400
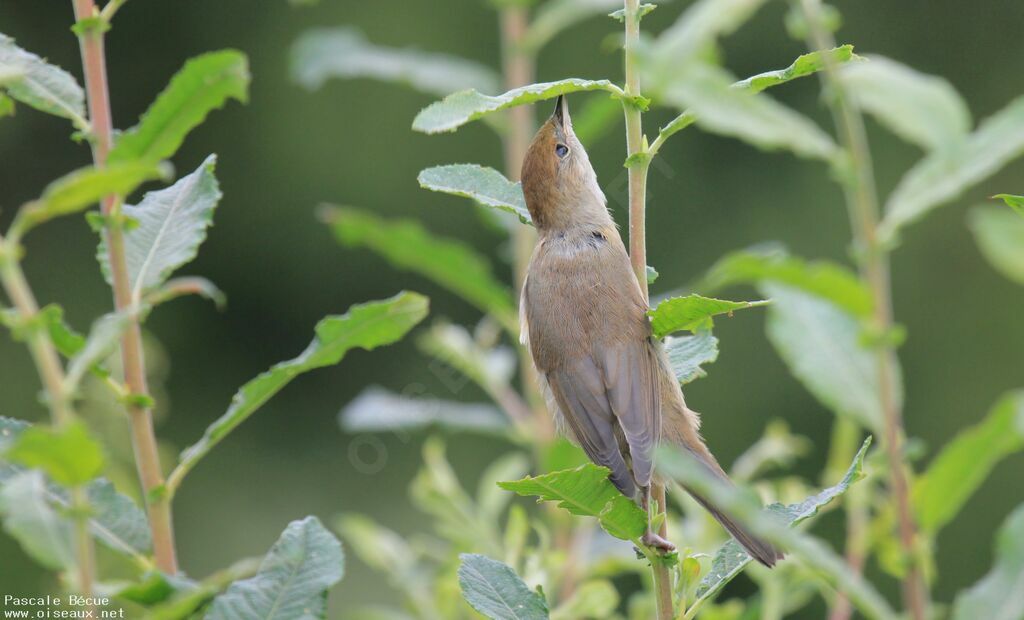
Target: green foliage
x: 100, y: 344
x: 365, y: 326
x: 593, y: 599
x: 489, y: 367
x: 377, y: 410
x: 204, y: 84
x: 486, y: 186
x: 731, y: 559
x: 965, y: 462
x: 407, y: 245
x: 998, y: 595
x: 292, y: 581
x: 462, y: 107
x: 69, y: 455
x: 695, y: 32
x: 322, y: 54
x: 922, y: 109
x: 6, y: 104
x: 44, y: 534
x: 803, y: 66
x: 1000, y: 236
x: 687, y: 354
x: 36, y: 83
x: 945, y: 174
x: 586, y: 491
x: 693, y: 313
x: 821, y: 346
x: 170, y: 225
x: 82, y: 188
x: 494, y: 590
x: 555, y: 16
x: 1014, y: 202
x: 827, y: 280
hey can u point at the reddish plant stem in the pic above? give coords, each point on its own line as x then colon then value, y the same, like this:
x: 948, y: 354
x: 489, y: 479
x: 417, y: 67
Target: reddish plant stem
x: 91, y: 44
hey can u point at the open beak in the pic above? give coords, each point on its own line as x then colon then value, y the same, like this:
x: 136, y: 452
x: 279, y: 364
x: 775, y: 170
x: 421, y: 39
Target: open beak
x: 561, y: 114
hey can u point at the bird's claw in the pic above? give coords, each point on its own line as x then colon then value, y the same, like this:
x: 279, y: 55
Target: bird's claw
x: 651, y: 539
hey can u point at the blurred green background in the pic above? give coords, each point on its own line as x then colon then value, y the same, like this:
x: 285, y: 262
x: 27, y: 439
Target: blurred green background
x: 350, y: 143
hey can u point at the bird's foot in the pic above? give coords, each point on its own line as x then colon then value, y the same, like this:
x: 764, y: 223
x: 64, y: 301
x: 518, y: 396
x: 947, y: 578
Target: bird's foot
x: 653, y: 540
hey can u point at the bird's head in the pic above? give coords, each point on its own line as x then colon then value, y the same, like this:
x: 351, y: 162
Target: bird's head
x: 559, y: 183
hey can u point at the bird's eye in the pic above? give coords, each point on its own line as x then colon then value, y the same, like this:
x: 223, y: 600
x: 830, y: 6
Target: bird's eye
x: 561, y: 150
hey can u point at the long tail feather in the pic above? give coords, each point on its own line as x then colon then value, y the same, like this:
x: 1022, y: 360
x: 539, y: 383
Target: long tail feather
x: 758, y: 549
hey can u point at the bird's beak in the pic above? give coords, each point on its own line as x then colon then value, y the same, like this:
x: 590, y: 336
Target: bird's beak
x: 561, y: 114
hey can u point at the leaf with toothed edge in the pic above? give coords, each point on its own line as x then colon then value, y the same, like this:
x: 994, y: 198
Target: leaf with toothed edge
x: 485, y: 185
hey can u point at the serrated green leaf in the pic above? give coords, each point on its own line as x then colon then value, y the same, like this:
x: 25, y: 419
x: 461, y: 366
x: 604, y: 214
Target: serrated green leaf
x: 998, y: 595
x: 825, y: 279
x: 804, y: 65
x: 1014, y: 202
x: 922, y: 109
x: 943, y: 175
x: 36, y: 83
x: 731, y: 559
x: 706, y: 92
x: 1000, y: 235
x: 69, y: 455
x: 485, y: 185
x: 204, y: 84
x: 326, y: 53
x: 497, y: 592
x: 555, y: 16
x: 78, y: 190
x: 586, y: 491
x: 407, y: 245
x: 965, y: 462
x: 366, y: 326
x: 377, y: 410
x: 687, y: 354
x: 31, y: 520
x: 462, y: 107
x: 172, y: 224
x: 820, y: 345
x: 692, y: 313
x: 292, y: 582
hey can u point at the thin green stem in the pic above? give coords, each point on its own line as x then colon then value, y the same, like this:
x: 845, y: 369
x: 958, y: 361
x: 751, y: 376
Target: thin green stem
x: 873, y: 259
x: 144, y: 443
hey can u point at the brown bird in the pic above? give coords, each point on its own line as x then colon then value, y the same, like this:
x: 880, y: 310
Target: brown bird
x: 584, y: 319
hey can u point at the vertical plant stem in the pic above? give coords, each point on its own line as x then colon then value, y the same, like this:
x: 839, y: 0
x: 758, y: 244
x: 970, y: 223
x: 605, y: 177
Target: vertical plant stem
x: 873, y: 258
x: 636, y: 146
x: 51, y: 372
x: 518, y: 69
x: 144, y: 444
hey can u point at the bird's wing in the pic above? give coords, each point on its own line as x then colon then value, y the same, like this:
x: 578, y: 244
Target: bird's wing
x: 579, y: 391
x: 632, y: 383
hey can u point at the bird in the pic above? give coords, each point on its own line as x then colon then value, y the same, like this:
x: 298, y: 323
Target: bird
x: 584, y: 320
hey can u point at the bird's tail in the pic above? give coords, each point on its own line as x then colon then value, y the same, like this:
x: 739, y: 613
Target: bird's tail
x: 760, y: 550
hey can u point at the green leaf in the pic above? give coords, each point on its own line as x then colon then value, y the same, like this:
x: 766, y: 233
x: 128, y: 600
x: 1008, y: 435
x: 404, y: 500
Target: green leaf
x: 69, y: 455
x: 592, y: 599
x: 325, y: 53
x: 687, y: 354
x: 586, y: 491
x: 84, y: 187
x: 462, y: 107
x: 731, y: 559
x: 692, y: 313
x: 705, y: 91
x: 101, y: 343
x: 496, y: 591
x: 36, y: 83
x: 943, y: 175
x: 595, y: 118
x: 651, y: 273
x: 1000, y: 235
x: 485, y: 185
x: 292, y: 581
x: 922, y: 109
x: 965, y: 463
x: 31, y: 520
x: 172, y: 223
x: 777, y: 447
x: 378, y: 547
x: 1014, y: 202
x: 187, y: 285
x: 377, y: 410
x: 554, y: 16
x: 365, y: 326
x: 820, y: 345
x: 807, y: 64
x: 67, y: 340
x: 453, y: 345
x: 204, y: 84
x: 407, y: 245
x: 998, y: 596
x: 830, y: 281
x: 6, y: 104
